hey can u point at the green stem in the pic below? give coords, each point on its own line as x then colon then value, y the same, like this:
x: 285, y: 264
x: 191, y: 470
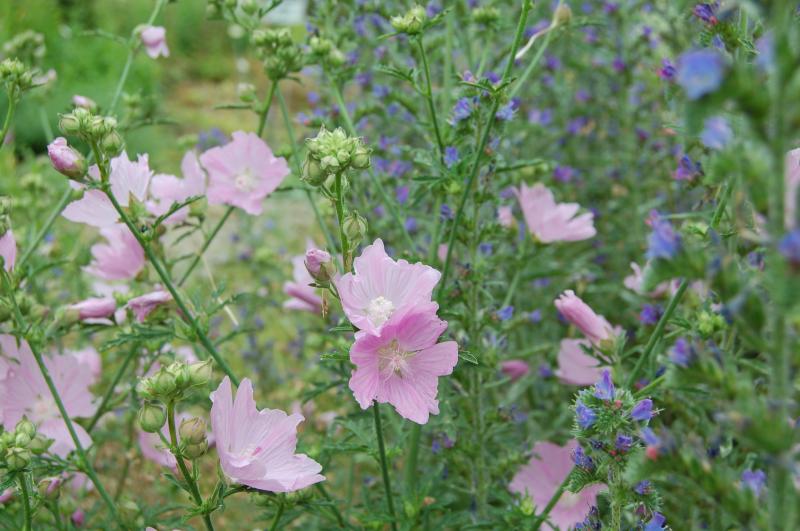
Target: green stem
x: 278, y: 515
x: 532, y: 65
x: 206, y: 245
x: 429, y: 99
x: 62, y: 202
x: 163, y: 275
x: 484, y: 138
x: 410, y: 471
x: 26, y: 502
x: 48, y: 131
x: 542, y: 517
x: 173, y: 438
x: 384, y: 195
x: 262, y: 116
x: 101, y: 409
x: 327, y: 496
x: 384, y: 467
x: 340, y: 217
x: 12, y: 107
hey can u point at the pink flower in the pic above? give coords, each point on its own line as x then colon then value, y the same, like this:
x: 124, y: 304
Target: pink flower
x: 635, y: 282
x: 142, y: 305
x: 84, y: 102
x: 575, y: 367
x: 315, y: 259
x: 94, y: 209
x: 594, y: 327
x: 514, y: 369
x: 91, y: 359
x: 257, y: 448
x: 23, y: 392
x: 792, y: 186
x: 402, y: 365
x: 441, y: 252
x: 8, y: 250
x: 65, y: 159
x: 154, y: 39
x: 382, y: 287
x: 302, y: 296
x: 168, y: 189
x: 540, y: 478
x: 6, y: 496
x: 549, y: 221
x: 505, y: 216
x: 120, y: 259
x: 95, y: 309
x: 243, y: 172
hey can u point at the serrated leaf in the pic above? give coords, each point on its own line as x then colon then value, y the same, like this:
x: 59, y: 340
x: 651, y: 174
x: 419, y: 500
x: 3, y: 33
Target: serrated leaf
x: 468, y: 357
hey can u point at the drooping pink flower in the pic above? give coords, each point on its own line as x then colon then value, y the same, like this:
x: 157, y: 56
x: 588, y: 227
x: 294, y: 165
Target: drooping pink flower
x: 514, y: 369
x: 95, y: 310
x: 257, y: 448
x: 549, y: 221
x: 302, y: 296
x: 382, y: 287
x: 402, y: 365
x: 575, y: 367
x: 545, y: 472
x: 594, y: 327
x: 8, y: 250
x: 792, y: 187
x: 154, y: 39
x: 243, y: 172
x: 121, y: 258
x: 23, y: 392
x: 168, y: 189
x: 142, y: 305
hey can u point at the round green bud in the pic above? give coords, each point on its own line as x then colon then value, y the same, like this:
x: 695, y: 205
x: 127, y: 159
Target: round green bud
x: 112, y: 143
x: 39, y: 444
x: 312, y: 172
x: 163, y: 383
x: 22, y: 439
x: 355, y: 227
x: 200, y: 372
x: 69, y: 124
x: 49, y: 488
x: 25, y: 426
x: 249, y: 6
x: 151, y: 417
x: 193, y: 451
x: 192, y: 431
x: 18, y: 458
x: 360, y: 159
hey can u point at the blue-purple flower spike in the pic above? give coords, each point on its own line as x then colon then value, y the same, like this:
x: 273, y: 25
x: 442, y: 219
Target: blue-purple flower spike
x: 604, y: 389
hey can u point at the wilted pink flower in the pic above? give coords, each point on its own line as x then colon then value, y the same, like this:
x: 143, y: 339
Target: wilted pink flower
x: 243, y: 172
x: 65, y: 159
x: 95, y: 309
x: 505, y: 216
x: 84, y: 102
x: 257, y: 448
x: 315, y: 259
x: 23, y: 392
x: 514, y: 369
x: 382, y: 287
x: 549, y: 221
x: 154, y: 39
x: 402, y: 365
x: 303, y: 297
x: 142, y: 305
x: 545, y: 472
x: 168, y: 189
x: 792, y: 187
x: 594, y: 327
x: 575, y: 367
x: 120, y: 259
x: 8, y: 250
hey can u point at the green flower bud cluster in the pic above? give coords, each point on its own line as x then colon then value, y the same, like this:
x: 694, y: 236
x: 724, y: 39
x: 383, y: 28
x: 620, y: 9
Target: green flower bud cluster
x: 193, y: 438
x: 331, y: 153
x: 171, y: 382
x: 27, y: 46
x: 486, y: 15
x: 15, y: 76
x: 18, y: 447
x: 100, y: 130
x: 355, y: 227
x: 327, y: 52
x: 280, y: 54
x: 412, y: 23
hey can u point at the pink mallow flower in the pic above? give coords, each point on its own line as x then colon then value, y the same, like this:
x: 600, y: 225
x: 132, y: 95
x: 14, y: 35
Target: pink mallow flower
x: 127, y: 178
x: 8, y: 250
x: 257, y: 448
x: 302, y: 296
x: 23, y: 392
x: 142, y: 305
x: 573, y: 309
x: 576, y: 367
x: 382, y: 287
x: 514, y: 369
x: 66, y: 160
x: 95, y: 310
x: 154, y: 39
x: 545, y: 472
x: 121, y: 258
x: 168, y: 189
x: 549, y: 221
x: 243, y: 172
x: 402, y: 365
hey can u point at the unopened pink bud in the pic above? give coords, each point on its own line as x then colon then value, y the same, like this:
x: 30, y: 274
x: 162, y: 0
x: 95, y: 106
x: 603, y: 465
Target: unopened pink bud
x: 66, y: 160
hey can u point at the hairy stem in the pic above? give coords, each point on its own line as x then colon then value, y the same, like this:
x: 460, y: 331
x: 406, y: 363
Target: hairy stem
x: 340, y: 217
x: 12, y: 107
x: 387, y: 486
x: 26, y: 501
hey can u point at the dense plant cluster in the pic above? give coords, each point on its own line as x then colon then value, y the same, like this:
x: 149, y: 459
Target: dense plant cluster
x: 484, y: 264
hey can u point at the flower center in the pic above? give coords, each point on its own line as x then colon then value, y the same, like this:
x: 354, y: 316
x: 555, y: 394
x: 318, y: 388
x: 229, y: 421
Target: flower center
x: 379, y: 310
x: 245, y: 181
x: 392, y: 360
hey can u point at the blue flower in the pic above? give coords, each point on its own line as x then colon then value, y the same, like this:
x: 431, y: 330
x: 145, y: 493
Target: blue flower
x: 604, y: 389
x: 667, y: 71
x: 700, y: 72
x: 643, y: 410
x: 535, y: 316
x: 445, y: 211
x: 682, y: 353
x: 507, y: 111
x: 650, y: 314
x: 663, y: 242
x: 789, y: 246
x: 462, y: 110
x: 656, y: 523
x: 706, y: 12
x: 754, y: 480
x: 649, y: 437
x: 450, y: 156
x: 716, y: 133
x: 584, y: 415
x: 563, y: 174
x: 582, y: 460
x: 687, y: 169
x: 642, y: 488
x: 505, y: 313
x: 623, y: 443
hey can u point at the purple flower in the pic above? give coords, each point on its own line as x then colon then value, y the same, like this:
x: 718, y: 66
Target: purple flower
x: 535, y: 316
x: 380, y: 91
x: 563, y: 174
x: 700, y: 72
x: 450, y: 156
x: 462, y: 110
x: 663, y: 242
x: 765, y: 60
x: 754, y: 480
x: 507, y: 111
x: 540, y: 116
x: 402, y: 194
x: 642, y: 488
x: 687, y: 169
x: 580, y: 458
x: 643, y: 410
x: 623, y: 443
x: 410, y: 224
x: 492, y: 77
x: 716, y: 133
x: 446, y: 212
x: 656, y: 523
x: 667, y: 71
x: 650, y: 314
x: 649, y: 437
x: 584, y: 415
x: 604, y: 389
x: 551, y: 62
x: 789, y: 247
x: 505, y: 313
x: 706, y: 12
x: 682, y: 353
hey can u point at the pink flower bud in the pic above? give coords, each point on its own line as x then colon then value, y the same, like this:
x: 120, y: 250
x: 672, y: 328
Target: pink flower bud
x: 84, y: 102
x: 6, y: 496
x: 78, y: 518
x: 154, y: 39
x: 95, y: 308
x: 66, y: 160
x: 316, y: 263
x: 514, y: 369
x: 577, y: 312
